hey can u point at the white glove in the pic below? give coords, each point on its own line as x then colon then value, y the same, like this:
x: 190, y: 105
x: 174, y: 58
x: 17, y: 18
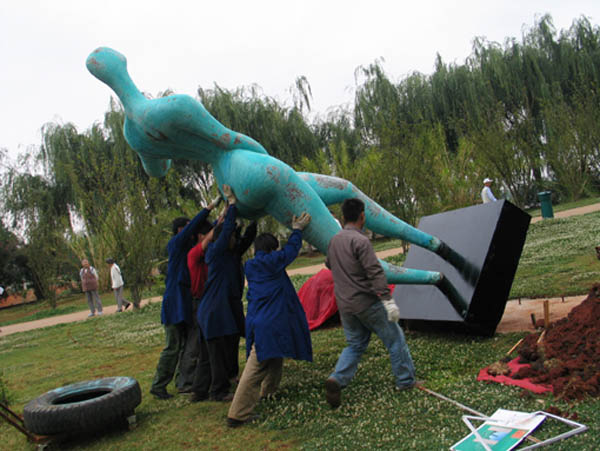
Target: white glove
x: 216, y: 201
x: 391, y: 308
x: 231, y: 199
x: 299, y: 223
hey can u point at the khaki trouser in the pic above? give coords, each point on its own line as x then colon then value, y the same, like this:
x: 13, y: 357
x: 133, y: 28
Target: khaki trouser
x: 258, y: 380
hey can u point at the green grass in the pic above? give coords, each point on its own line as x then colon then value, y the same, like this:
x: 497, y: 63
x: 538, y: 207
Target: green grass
x: 304, y: 260
x: 372, y: 415
x: 559, y: 258
x: 566, y: 206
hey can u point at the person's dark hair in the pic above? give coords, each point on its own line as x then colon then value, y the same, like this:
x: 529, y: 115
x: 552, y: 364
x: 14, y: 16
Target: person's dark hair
x: 266, y: 242
x: 204, y: 227
x: 179, y: 222
x: 110, y: 260
x: 351, y: 209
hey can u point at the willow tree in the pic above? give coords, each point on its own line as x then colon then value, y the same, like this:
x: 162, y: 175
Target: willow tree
x: 38, y: 208
x: 119, y: 205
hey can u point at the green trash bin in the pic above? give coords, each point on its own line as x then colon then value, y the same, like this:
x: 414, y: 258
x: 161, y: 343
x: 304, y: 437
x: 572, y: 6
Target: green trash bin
x: 546, y: 204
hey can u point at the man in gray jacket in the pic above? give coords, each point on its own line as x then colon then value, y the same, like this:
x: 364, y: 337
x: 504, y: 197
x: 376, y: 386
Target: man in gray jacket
x: 364, y: 301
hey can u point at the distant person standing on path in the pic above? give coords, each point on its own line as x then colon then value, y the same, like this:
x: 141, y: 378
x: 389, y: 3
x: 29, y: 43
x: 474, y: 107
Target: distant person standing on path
x: 486, y: 192
x: 365, y: 304
x: 117, y: 284
x: 176, y: 309
x: 89, y: 285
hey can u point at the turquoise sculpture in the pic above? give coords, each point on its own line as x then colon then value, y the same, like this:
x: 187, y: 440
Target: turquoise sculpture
x: 178, y: 126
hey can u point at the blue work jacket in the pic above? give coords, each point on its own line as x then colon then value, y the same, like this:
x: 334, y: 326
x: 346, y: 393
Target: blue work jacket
x: 177, y: 300
x: 276, y: 323
x: 220, y: 311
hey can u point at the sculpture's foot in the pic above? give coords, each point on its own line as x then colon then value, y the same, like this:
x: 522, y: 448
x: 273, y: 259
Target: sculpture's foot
x: 468, y: 271
x: 458, y: 302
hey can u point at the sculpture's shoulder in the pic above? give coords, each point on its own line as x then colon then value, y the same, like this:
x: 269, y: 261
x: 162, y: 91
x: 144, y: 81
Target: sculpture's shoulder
x: 173, y: 109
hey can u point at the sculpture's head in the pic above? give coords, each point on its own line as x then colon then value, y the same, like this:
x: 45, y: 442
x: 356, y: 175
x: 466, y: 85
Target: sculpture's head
x: 107, y: 65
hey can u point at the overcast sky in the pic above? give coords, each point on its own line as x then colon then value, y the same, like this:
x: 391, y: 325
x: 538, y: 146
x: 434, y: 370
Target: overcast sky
x: 185, y: 44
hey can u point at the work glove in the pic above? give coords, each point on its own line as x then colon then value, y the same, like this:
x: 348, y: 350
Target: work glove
x: 215, y: 202
x: 393, y: 314
x: 299, y: 223
x: 231, y: 199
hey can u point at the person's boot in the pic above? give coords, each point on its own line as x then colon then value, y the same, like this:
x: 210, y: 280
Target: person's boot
x: 161, y: 394
x: 333, y: 392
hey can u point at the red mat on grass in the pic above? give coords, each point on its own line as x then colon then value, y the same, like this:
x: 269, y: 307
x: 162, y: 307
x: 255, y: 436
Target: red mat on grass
x: 514, y: 367
x: 318, y: 299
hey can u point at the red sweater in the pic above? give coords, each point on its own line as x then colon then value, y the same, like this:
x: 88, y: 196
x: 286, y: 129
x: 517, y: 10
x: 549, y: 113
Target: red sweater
x: 198, y: 270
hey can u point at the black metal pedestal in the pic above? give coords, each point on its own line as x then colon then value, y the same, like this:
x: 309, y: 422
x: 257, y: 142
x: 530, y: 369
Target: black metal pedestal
x: 491, y: 238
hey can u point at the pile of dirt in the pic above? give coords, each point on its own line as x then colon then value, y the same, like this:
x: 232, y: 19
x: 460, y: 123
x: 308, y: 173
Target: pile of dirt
x: 568, y: 355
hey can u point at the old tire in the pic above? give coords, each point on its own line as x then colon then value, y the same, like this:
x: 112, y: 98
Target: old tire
x: 84, y: 406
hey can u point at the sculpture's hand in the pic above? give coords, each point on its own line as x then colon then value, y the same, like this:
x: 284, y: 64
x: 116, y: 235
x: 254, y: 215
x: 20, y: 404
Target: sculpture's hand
x: 214, y: 203
x: 231, y: 199
x: 299, y: 223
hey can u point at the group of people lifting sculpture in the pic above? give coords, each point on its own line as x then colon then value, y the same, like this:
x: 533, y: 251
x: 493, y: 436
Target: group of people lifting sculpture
x: 203, y: 316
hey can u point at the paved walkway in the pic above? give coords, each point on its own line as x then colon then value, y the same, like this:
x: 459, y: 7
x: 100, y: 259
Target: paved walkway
x: 516, y: 315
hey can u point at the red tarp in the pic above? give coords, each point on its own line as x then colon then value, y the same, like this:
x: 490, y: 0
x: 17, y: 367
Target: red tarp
x: 514, y: 367
x: 318, y: 299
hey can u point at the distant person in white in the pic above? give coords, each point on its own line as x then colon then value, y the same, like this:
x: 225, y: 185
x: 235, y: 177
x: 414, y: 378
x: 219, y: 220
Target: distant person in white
x: 486, y: 192
x: 117, y: 284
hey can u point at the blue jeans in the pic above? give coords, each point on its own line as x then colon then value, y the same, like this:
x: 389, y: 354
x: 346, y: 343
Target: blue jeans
x: 358, y: 328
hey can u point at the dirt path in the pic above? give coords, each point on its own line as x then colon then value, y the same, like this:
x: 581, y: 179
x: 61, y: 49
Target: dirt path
x: 517, y: 315
x: 70, y: 318
x: 572, y: 212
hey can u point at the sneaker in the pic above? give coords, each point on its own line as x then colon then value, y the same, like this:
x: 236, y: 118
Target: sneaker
x: 99, y: 313
x: 118, y: 311
x: 333, y: 392
x: 161, y: 394
x: 91, y: 314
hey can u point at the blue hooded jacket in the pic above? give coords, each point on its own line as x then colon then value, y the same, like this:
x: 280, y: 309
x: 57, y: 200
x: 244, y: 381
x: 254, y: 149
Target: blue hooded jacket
x: 220, y: 311
x: 276, y: 323
x: 177, y: 300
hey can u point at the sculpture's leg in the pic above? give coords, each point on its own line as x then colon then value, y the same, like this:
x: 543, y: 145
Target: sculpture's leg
x: 333, y: 190
x: 298, y: 195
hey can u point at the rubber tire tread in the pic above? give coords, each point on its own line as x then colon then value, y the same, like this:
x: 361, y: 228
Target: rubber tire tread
x: 43, y: 417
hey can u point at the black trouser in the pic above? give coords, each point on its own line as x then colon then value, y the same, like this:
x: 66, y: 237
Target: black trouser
x: 190, y: 355
x: 218, y: 363
x: 169, y: 356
